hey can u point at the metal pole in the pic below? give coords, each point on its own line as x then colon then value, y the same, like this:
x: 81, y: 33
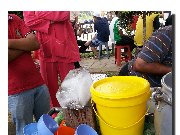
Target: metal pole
x: 144, y: 27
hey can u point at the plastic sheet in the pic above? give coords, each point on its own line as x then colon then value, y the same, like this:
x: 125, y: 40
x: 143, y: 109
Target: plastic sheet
x: 74, y: 92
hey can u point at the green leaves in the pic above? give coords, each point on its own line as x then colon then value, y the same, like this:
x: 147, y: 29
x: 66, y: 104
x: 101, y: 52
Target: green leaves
x: 18, y: 13
x: 59, y: 118
x: 127, y: 18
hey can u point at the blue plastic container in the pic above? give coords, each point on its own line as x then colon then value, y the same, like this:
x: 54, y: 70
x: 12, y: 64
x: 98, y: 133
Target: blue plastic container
x: 91, y: 20
x: 47, y: 125
x: 30, y: 129
x: 85, y: 21
x: 84, y: 129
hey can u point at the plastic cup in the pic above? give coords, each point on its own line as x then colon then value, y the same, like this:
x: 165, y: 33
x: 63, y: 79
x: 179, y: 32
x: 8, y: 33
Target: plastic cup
x: 30, y: 129
x: 47, y: 125
x: 84, y: 129
x: 64, y: 130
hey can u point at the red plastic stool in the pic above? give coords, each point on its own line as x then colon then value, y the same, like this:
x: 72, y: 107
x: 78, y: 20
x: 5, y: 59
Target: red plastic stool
x: 118, y: 57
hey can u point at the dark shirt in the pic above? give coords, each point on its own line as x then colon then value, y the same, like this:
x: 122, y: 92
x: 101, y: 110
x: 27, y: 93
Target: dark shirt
x: 156, y: 23
x: 102, y: 27
x: 158, y: 49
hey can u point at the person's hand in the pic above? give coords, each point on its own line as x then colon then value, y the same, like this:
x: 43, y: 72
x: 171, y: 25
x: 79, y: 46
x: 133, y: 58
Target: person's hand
x: 75, y: 26
x: 87, y: 43
x: 51, y: 22
x: 36, y: 60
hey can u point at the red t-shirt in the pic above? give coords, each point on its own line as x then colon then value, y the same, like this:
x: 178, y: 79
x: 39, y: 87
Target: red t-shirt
x: 22, y: 72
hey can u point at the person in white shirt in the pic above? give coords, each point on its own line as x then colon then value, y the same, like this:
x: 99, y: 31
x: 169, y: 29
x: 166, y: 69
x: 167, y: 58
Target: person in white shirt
x: 74, y: 18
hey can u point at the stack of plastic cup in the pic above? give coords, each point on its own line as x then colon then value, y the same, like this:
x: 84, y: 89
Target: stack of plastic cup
x: 45, y: 126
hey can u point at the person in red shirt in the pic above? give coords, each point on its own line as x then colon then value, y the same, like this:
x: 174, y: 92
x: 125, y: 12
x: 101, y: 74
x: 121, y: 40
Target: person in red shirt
x: 27, y: 93
x: 58, y: 46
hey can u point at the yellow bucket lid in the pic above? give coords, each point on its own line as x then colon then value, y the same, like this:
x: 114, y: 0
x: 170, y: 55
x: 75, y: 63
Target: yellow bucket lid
x: 120, y: 87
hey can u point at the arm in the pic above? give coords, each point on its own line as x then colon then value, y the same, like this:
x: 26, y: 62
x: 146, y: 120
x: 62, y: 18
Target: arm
x: 40, y: 20
x: 162, y: 15
x: 30, y: 43
x: 150, y: 68
x: 150, y: 59
x: 13, y: 54
x: 88, y: 42
x: 34, y: 23
x: 76, y: 21
x: 56, y: 16
x: 120, y: 29
x: 121, y: 33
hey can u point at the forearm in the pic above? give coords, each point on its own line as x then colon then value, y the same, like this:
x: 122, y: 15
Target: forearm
x: 76, y: 19
x: 30, y: 43
x: 56, y: 16
x: 151, y: 68
x: 121, y: 33
x: 124, y: 35
x: 39, y: 25
x: 93, y: 38
x: 13, y: 54
x: 88, y: 42
x: 155, y: 68
x: 35, y: 23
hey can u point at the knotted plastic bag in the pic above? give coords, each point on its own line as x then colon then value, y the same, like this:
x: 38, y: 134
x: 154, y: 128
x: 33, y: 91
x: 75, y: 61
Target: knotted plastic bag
x: 74, y: 92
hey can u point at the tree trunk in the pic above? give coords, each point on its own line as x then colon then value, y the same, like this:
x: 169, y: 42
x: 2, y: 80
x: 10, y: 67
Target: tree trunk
x: 144, y: 27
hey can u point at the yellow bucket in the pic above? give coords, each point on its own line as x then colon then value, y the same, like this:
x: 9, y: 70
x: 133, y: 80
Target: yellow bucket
x: 121, y: 104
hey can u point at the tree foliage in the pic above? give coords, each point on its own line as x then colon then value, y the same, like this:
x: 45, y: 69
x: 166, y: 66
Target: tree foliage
x: 86, y: 15
x: 18, y: 13
x: 127, y: 18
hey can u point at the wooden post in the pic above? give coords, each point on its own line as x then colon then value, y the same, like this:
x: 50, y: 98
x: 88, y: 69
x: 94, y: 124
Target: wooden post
x: 86, y: 32
x: 90, y: 28
x: 79, y: 28
x: 163, y: 20
x: 83, y: 31
x: 144, y: 27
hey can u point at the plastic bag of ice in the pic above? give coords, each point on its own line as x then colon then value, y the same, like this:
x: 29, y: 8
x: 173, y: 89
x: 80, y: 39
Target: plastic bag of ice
x: 74, y: 92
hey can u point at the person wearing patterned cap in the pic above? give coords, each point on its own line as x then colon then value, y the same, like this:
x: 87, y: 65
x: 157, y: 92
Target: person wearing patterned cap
x: 27, y: 93
x: 155, y: 58
x: 102, y: 35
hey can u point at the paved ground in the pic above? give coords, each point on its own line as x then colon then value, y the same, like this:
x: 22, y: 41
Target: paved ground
x: 102, y: 65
